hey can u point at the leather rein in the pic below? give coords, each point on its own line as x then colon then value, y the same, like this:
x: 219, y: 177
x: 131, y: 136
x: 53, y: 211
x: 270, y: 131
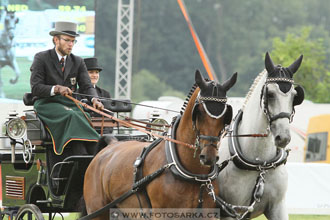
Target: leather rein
x: 128, y: 124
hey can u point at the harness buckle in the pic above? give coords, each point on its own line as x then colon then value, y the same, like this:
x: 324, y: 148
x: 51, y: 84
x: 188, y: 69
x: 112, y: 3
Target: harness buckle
x: 211, y: 192
x: 197, y: 145
x: 137, y: 162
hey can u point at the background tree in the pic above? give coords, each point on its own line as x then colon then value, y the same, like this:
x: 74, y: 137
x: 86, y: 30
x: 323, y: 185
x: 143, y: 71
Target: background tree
x: 312, y: 74
x: 235, y: 34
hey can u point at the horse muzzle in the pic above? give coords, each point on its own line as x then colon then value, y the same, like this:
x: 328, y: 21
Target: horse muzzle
x: 281, y: 132
x: 209, y: 155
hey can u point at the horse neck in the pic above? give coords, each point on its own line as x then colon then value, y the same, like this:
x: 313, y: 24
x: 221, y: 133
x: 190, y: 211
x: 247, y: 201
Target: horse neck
x: 186, y: 134
x: 5, y: 39
x: 254, y: 121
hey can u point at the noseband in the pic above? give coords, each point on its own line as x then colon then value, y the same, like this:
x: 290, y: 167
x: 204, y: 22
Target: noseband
x: 264, y: 96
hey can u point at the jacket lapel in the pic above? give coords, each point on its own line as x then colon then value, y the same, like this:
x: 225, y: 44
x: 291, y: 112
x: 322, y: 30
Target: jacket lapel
x: 56, y: 63
x: 68, y: 66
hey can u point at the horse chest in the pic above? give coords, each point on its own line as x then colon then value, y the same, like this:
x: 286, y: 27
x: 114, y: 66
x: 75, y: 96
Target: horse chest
x: 236, y: 186
x: 175, y: 193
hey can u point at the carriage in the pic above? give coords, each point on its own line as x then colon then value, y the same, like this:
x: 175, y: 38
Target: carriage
x: 28, y: 187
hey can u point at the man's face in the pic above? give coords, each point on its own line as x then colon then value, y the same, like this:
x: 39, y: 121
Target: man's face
x: 94, y: 75
x: 64, y: 44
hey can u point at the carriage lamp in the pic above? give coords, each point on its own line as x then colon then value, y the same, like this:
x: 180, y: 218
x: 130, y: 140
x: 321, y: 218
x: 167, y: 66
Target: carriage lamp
x: 159, y: 125
x: 16, y: 128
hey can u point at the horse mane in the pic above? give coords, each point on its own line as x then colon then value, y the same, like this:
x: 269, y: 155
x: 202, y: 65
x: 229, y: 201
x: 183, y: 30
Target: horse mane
x: 253, y: 86
x: 192, y: 90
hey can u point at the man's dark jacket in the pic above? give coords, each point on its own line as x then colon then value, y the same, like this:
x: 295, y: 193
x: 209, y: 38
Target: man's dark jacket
x: 46, y: 72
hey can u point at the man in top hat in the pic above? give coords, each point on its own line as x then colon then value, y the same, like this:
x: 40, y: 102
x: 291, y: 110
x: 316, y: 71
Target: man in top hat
x: 94, y: 74
x: 55, y: 73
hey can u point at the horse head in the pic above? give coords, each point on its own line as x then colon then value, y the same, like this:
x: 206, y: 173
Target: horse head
x: 210, y: 114
x: 280, y: 95
x: 10, y: 24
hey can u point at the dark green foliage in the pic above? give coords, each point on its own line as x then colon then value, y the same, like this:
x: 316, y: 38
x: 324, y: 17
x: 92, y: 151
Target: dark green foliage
x: 235, y: 34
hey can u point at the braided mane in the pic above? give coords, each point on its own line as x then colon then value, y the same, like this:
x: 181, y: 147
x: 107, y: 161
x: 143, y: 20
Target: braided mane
x: 192, y: 90
x: 253, y: 86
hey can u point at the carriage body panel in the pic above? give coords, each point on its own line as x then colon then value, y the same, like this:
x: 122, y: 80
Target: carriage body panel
x: 29, y: 184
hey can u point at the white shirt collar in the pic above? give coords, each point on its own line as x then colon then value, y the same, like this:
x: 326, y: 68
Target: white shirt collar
x: 60, y: 56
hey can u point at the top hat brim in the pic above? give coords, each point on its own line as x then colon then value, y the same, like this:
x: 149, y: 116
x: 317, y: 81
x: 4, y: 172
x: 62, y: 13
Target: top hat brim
x: 95, y: 68
x: 69, y: 33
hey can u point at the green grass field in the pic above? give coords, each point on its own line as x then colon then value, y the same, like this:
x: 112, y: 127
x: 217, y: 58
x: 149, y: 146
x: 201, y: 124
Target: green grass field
x: 16, y: 91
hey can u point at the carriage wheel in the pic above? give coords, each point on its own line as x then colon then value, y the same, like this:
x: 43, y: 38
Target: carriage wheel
x: 29, y: 212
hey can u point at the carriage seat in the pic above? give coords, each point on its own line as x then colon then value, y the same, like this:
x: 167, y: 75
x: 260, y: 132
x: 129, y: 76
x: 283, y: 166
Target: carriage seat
x: 114, y: 105
x: 35, y: 127
x: 117, y: 105
x: 28, y: 99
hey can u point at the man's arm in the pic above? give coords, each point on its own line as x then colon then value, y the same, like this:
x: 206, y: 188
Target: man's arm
x: 38, y: 77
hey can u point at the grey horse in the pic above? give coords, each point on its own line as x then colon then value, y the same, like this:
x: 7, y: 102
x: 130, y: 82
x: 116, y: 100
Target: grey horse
x: 7, y: 48
x: 254, y: 182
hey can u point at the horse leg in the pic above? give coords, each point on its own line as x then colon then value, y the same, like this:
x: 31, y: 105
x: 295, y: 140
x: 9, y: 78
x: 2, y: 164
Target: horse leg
x: 14, y: 65
x: 277, y: 211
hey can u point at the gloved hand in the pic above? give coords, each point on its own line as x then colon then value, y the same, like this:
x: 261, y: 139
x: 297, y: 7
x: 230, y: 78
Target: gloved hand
x: 63, y: 90
x: 97, y: 104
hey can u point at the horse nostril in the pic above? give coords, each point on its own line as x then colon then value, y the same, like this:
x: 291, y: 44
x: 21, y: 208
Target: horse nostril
x: 282, y: 140
x: 216, y: 158
x: 202, y: 157
x: 278, y: 138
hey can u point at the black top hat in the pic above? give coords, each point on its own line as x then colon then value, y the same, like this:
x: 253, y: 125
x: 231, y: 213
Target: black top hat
x: 92, y: 64
x: 66, y: 28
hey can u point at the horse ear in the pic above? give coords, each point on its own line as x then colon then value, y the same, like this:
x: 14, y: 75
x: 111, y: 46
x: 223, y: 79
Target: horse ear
x: 199, y: 79
x: 230, y: 82
x: 269, y: 63
x: 295, y: 65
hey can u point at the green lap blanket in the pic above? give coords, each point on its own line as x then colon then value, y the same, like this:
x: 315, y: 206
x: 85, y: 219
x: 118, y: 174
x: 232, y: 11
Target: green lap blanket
x: 64, y: 121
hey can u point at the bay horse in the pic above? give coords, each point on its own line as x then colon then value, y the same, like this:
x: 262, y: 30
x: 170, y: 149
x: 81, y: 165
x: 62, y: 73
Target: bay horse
x: 187, y: 170
x: 255, y: 180
x: 7, y: 47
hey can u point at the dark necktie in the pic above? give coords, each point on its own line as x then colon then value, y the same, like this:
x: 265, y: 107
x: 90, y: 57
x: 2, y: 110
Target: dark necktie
x: 62, y: 64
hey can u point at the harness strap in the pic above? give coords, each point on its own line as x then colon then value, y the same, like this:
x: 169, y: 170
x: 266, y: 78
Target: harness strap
x: 109, y: 206
x: 138, y: 171
x: 200, y: 197
x: 244, y: 163
x: 280, y: 115
x: 178, y: 170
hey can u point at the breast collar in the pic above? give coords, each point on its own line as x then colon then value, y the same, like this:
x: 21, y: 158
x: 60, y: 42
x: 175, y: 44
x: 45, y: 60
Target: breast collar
x: 244, y: 163
x: 177, y: 169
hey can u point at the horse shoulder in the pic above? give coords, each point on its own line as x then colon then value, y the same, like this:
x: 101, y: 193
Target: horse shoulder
x: 276, y: 183
x: 108, y: 176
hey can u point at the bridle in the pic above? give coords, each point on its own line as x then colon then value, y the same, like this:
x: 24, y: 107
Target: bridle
x: 213, y: 140
x: 263, y: 97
